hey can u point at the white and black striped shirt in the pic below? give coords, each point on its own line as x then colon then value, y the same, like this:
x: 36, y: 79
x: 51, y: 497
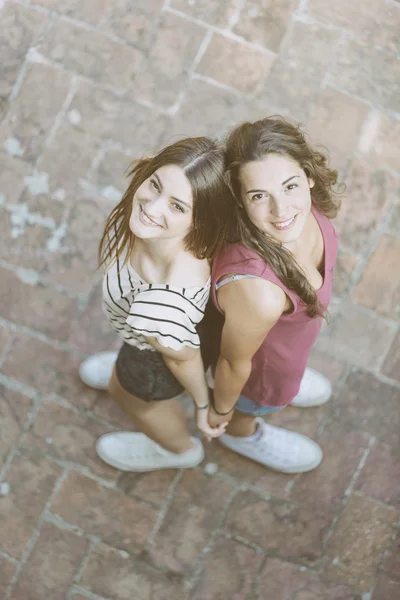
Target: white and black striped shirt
x: 137, y: 309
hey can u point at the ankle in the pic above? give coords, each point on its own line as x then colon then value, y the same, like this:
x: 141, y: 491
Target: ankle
x: 180, y: 447
x: 242, y: 429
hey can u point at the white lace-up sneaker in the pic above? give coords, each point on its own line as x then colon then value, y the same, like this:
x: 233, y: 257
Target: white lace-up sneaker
x: 315, y: 389
x: 276, y: 448
x: 130, y: 451
x: 96, y: 370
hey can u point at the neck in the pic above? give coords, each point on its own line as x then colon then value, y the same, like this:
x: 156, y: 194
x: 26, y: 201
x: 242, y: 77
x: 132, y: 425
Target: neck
x: 161, y: 252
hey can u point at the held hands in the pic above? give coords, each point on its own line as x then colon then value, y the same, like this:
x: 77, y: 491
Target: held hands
x: 209, y: 427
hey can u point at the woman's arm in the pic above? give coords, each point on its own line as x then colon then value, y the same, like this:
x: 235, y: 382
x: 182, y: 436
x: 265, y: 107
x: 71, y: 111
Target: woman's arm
x: 187, y: 366
x: 251, y: 307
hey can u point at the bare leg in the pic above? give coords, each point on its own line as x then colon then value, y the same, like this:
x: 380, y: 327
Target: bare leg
x: 242, y: 424
x: 164, y: 422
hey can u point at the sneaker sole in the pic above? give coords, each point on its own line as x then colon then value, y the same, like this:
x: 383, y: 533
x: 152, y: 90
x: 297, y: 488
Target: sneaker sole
x: 303, y: 469
x: 321, y: 400
x: 123, y: 467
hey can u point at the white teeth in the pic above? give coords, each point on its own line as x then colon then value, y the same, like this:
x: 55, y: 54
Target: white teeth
x: 147, y: 219
x: 284, y: 223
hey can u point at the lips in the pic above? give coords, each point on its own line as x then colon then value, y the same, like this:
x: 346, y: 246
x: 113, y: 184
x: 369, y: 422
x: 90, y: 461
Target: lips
x: 283, y: 225
x: 146, y: 220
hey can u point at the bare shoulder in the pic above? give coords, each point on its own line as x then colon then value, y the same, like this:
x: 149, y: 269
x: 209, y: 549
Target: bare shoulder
x: 188, y: 271
x: 254, y: 298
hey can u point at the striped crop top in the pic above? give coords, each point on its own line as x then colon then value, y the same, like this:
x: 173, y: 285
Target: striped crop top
x: 137, y: 309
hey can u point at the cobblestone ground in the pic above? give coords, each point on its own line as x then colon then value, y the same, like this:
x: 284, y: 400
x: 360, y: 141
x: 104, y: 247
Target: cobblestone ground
x: 85, y: 87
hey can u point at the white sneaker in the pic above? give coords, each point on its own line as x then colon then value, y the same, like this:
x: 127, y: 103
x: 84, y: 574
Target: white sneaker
x: 315, y: 389
x: 96, y: 370
x: 130, y: 451
x: 276, y: 448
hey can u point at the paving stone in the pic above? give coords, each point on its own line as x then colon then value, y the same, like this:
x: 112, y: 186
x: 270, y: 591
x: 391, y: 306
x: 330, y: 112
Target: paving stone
x: 91, y: 54
x: 287, y: 529
x: 69, y: 436
x: 5, y: 338
x: 224, y: 114
x: 32, y: 113
x: 91, y: 11
x: 215, y: 12
x: 68, y: 147
x: 55, y: 372
x: 52, y: 565
x: 31, y: 480
x: 368, y: 193
x: 170, y: 58
x: 193, y: 515
x: 135, y: 26
x: 73, y: 264
x: 7, y: 572
x: 120, y: 577
x: 294, y: 80
x: 336, y: 123
x: 378, y: 288
x: 367, y: 404
x: 380, y: 475
x: 361, y: 536
x: 391, y: 366
x: 369, y: 73
x: 230, y: 570
x: 107, y: 409
x: 104, y: 512
x: 323, y: 489
x: 91, y: 331
x: 392, y: 558
x: 235, y: 64
x: 394, y: 217
x: 376, y: 25
x: 345, y: 266
x: 21, y: 27
x: 387, y: 589
x: 305, y: 422
x: 152, y: 487
x: 35, y: 305
x: 12, y: 177
x: 265, y: 22
x: 14, y: 410
x: 379, y: 143
x: 99, y: 113
x: 110, y: 175
x: 322, y: 362
x: 284, y: 581
x: 350, y: 332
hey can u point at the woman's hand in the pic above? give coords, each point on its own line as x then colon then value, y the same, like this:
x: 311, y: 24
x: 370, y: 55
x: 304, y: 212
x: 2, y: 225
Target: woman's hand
x: 203, y: 423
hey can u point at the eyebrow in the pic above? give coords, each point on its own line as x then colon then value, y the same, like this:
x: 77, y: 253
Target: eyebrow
x: 172, y: 197
x: 283, y: 183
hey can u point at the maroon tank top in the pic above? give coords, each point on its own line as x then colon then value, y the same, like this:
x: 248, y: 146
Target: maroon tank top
x: 279, y: 364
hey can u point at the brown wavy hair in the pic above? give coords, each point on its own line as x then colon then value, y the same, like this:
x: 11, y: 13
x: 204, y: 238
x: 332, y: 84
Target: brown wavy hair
x: 252, y: 142
x: 202, y: 161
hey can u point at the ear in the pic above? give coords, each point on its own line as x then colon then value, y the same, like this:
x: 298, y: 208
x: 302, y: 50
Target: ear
x: 311, y: 182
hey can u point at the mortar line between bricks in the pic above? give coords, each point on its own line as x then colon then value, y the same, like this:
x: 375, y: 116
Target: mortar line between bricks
x: 380, y: 503
x: 163, y: 509
x: 223, y: 32
x: 215, y: 83
x: 76, y: 589
x: 11, y: 559
x: 348, y: 491
x: 196, y: 61
x: 236, y: 14
x: 42, y: 337
x: 207, y: 549
x: 36, y: 531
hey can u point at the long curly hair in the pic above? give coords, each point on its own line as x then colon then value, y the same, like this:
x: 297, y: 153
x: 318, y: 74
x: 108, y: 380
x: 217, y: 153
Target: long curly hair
x: 252, y: 142
x: 202, y: 161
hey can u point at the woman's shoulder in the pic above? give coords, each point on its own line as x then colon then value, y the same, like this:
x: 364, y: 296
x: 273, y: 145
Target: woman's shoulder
x: 187, y: 271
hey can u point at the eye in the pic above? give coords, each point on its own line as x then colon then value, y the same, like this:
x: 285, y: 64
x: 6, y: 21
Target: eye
x: 154, y: 185
x: 177, y: 207
x: 292, y: 186
x: 257, y: 197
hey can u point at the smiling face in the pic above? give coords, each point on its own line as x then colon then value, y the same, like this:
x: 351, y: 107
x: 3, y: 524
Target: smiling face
x: 276, y: 196
x: 162, y: 206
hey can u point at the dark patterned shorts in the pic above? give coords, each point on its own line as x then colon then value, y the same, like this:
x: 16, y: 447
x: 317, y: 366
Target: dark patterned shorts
x: 144, y: 374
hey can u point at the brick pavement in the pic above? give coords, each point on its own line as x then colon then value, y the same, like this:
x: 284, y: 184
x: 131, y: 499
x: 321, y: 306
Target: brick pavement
x: 85, y: 87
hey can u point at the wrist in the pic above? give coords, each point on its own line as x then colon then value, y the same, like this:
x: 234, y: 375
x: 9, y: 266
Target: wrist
x: 221, y: 410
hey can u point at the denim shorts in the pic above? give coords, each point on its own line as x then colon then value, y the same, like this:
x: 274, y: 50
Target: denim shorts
x: 252, y: 408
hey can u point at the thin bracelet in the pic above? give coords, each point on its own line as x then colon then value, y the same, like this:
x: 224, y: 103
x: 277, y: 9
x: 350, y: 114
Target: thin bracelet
x: 202, y: 407
x: 215, y: 410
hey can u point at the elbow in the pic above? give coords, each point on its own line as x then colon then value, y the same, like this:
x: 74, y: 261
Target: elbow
x: 237, y: 368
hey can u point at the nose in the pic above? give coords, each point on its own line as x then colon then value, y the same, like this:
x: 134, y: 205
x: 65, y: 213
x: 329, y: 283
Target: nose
x: 153, y: 207
x: 279, y: 207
